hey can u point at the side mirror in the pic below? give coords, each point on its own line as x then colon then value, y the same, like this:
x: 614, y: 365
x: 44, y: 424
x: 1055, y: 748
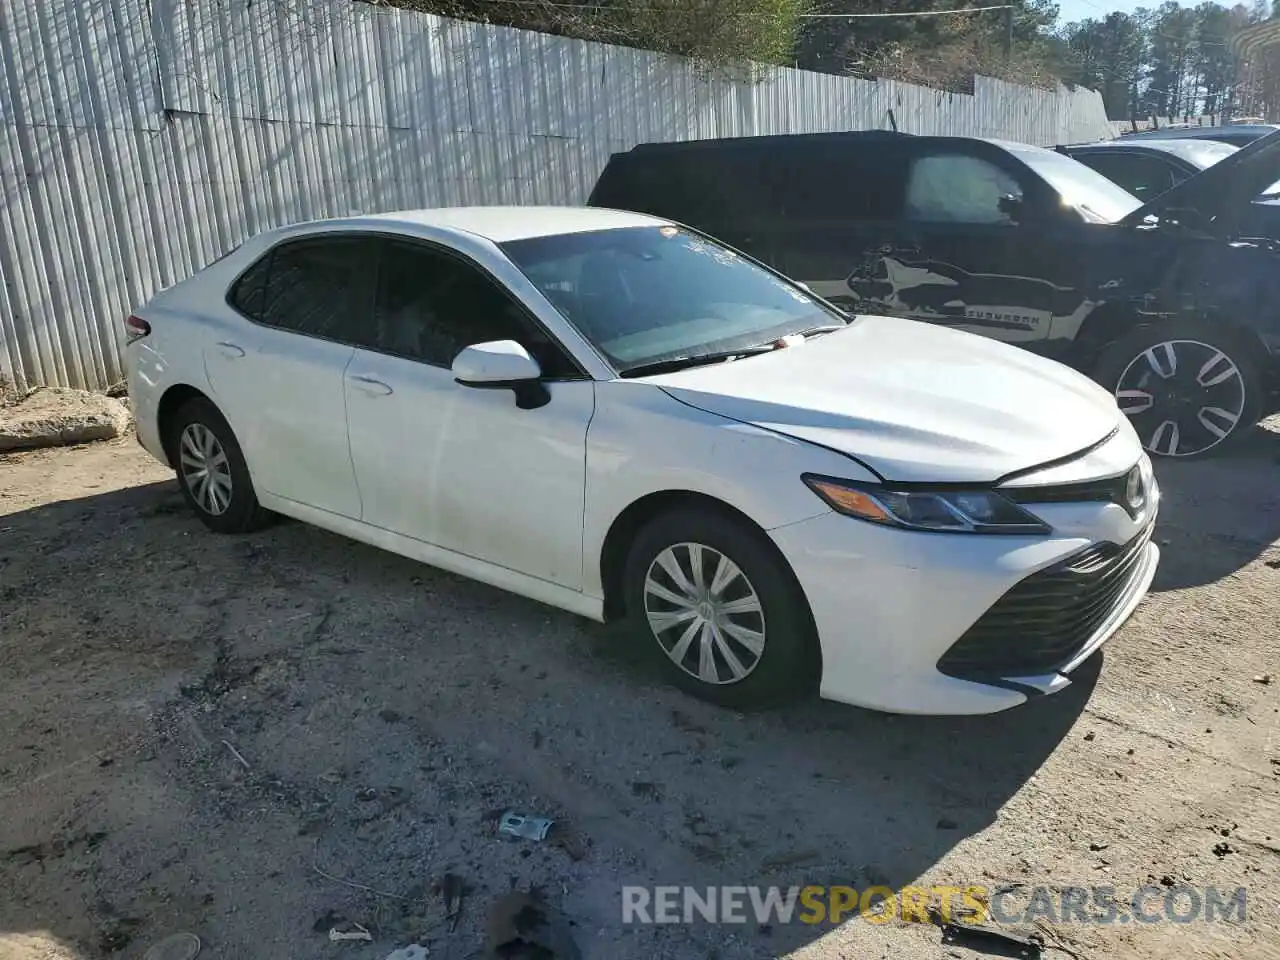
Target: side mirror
x: 1012, y: 207
x: 502, y: 365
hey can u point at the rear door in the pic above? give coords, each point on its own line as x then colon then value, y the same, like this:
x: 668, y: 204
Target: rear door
x: 836, y: 204
x: 278, y: 376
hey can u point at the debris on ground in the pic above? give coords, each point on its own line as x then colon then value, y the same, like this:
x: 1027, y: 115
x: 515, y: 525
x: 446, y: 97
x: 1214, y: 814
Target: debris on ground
x: 523, y: 826
x: 352, y: 931
x: 180, y: 946
x: 522, y: 926
x: 414, y: 951
x: 454, y: 892
x: 1263, y: 678
x: 568, y: 840
x: 991, y: 940
x: 54, y: 416
x: 1222, y: 849
x: 1099, y: 845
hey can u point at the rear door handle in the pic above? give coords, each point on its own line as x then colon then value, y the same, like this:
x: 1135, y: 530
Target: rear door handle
x: 231, y: 349
x: 374, y: 388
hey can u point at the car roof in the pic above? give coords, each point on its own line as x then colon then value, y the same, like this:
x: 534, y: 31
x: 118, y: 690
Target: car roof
x: 862, y: 137
x: 1191, y: 149
x: 502, y: 224
x: 768, y: 140
x: 1208, y: 133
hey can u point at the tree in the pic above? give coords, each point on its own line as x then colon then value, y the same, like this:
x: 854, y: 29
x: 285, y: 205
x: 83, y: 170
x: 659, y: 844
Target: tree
x: 1108, y: 56
x: 711, y: 31
x: 940, y: 50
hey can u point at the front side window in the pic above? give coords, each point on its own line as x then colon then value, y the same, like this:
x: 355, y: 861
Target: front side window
x: 641, y: 295
x: 319, y: 287
x: 955, y: 188
x: 431, y: 305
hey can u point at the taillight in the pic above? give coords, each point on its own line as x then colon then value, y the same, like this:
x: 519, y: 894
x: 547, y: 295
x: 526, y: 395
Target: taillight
x: 136, y: 328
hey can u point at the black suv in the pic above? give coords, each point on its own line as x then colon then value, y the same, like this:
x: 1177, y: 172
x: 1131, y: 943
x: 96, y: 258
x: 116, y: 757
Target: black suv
x: 1164, y: 303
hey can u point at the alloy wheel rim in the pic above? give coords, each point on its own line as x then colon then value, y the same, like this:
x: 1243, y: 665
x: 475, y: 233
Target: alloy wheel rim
x: 704, y: 613
x: 206, y: 471
x: 1183, y: 397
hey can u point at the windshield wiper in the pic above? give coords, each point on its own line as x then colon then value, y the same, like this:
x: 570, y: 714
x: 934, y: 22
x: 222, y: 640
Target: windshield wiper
x: 672, y: 364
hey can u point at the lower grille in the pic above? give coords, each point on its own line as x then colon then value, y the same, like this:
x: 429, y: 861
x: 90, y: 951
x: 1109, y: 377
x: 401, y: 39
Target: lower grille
x: 1044, y: 621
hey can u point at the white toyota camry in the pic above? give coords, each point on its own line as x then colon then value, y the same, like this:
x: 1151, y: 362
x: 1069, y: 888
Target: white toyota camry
x: 617, y: 415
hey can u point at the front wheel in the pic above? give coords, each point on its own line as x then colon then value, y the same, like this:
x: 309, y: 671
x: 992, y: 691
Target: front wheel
x: 719, y: 609
x: 1188, y: 390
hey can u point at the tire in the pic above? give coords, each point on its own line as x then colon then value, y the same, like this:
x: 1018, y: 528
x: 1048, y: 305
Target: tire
x: 1189, y: 390
x: 199, y: 435
x: 766, y: 599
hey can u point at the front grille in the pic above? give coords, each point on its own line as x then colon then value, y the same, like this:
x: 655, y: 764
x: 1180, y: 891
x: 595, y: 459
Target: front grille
x: 1044, y: 621
x: 1107, y: 490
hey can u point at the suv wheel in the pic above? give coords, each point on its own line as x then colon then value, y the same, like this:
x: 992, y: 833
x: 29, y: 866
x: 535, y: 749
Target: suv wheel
x: 211, y: 469
x: 1187, y: 389
x: 719, y: 609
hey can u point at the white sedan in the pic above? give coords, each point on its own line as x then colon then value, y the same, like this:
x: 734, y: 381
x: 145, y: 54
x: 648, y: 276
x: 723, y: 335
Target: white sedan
x: 616, y: 415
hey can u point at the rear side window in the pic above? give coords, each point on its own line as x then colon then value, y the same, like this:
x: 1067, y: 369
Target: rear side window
x: 321, y: 288
x: 957, y: 188
x: 838, y: 181
x: 1144, y: 177
x: 702, y: 186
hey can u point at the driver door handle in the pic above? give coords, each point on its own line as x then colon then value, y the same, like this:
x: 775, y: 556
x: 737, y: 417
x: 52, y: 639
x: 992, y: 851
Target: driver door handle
x: 230, y: 349
x: 370, y: 386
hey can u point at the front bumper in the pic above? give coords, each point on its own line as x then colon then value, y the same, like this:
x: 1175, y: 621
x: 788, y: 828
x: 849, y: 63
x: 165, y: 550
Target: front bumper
x: 889, y: 604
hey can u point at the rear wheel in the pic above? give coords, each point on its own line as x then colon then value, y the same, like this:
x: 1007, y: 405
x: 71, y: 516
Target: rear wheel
x: 719, y: 609
x: 211, y: 469
x: 1188, y: 389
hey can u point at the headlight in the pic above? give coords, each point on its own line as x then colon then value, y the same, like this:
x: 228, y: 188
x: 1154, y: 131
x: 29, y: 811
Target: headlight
x: 940, y: 511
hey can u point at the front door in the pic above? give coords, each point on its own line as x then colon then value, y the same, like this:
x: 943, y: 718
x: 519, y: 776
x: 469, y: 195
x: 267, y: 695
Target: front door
x: 971, y: 251
x: 457, y: 467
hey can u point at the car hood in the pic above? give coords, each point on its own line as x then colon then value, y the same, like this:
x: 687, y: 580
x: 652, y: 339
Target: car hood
x: 1223, y: 190
x: 914, y: 402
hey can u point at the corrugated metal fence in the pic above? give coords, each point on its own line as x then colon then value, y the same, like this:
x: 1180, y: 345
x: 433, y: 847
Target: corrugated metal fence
x: 141, y: 139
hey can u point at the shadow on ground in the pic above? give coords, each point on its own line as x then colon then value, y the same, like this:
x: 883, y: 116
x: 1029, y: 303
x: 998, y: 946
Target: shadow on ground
x: 1215, y: 517
x: 213, y: 733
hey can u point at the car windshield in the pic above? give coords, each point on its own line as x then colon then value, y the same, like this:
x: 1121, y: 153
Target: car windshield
x: 1079, y: 186
x: 642, y: 295
x: 1205, y: 153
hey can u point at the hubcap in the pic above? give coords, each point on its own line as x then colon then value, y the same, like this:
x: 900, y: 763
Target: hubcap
x: 704, y: 613
x: 205, y: 469
x: 1183, y: 397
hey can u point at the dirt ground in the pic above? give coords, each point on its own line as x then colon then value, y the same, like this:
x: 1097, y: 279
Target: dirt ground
x: 232, y: 736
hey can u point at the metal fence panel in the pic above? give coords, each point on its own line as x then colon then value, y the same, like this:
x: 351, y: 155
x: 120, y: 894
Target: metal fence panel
x: 141, y: 139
